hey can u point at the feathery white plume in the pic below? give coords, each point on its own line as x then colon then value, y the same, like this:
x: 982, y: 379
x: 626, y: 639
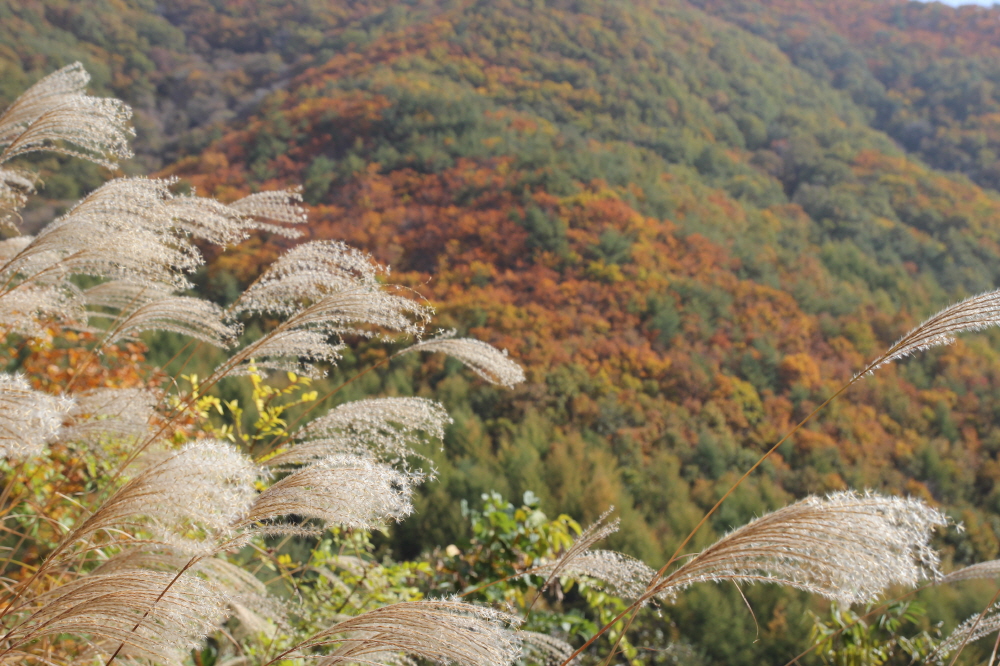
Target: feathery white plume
x: 439, y: 631
x: 384, y: 428
x: 225, y: 224
x: 31, y: 307
x: 323, y: 289
x: 846, y: 547
x: 54, y: 112
x: 29, y: 419
x: 147, y: 308
x: 483, y: 359
x: 275, y: 205
x: 189, y: 498
x: 342, y: 490
x: 53, y: 90
x: 329, y: 287
x: 620, y: 574
x: 208, y: 219
x: 27, y: 306
x: 110, y: 412
x: 282, y: 350
x: 122, y: 230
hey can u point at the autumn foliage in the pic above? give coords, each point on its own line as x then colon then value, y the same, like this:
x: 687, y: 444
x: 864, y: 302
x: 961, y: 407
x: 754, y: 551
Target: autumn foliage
x: 690, y: 223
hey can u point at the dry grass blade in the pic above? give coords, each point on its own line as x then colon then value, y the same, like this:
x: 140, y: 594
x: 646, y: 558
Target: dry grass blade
x: 106, y: 608
x: 846, y: 547
x: 142, y: 308
x: 597, y: 531
x: 189, y: 498
x: 440, y: 631
x: 544, y: 649
x: 972, y: 314
x: 29, y: 419
x: 342, y: 490
x: 383, y: 428
x: 483, y: 359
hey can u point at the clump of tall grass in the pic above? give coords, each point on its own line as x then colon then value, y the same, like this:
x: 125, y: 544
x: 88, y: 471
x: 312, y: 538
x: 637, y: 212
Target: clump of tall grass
x: 137, y: 573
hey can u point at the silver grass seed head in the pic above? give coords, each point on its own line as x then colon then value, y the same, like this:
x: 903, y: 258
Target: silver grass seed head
x: 972, y: 314
x: 15, y: 186
x: 110, y: 412
x: 275, y: 205
x: 391, y: 417
x: 341, y: 490
x: 121, y: 231
x: 383, y: 428
x: 226, y: 224
x: 106, y: 608
x: 31, y: 308
x: 329, y: 287
x: 445, y: 632
x: 847, y: 546
x: 970, y: 630
x: 61, y: 84
x: 91, y: 128
x: 981, y: 570
x: 246, y: 595
x: 188, y: 498
x: 19, y: 258
x: 281, y: 350
x: 207, y: 219
x: 620, y: 574
x: 29, y: 419
x: 136, y: 308
x: 56, y: 110
x: 11, y: 247
x: 545, y: 650
x: 28, y: 306
x: 598, y: 530
x: 485, y: 360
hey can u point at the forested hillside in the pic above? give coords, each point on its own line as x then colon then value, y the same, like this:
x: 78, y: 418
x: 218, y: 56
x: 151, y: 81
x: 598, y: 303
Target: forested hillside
x: 691, y: 222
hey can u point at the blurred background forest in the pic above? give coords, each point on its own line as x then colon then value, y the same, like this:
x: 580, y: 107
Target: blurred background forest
x: 690, y: 221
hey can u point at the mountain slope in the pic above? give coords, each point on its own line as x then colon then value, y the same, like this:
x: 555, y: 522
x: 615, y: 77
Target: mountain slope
x: 688, y: 240
x: 687, y: 230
